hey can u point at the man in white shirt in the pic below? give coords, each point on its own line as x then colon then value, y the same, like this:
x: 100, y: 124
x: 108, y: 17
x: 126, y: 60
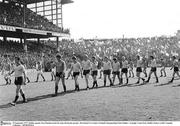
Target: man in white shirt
x: 116, y: 72
x: 107, y: 70
x: 124, y: 69
x: 175, y: 66
x: 76, y: 68
x: 86, y: 65
x: 139, y: 69
x: 60, y: 66
x: 94, y: 71
x: 153, y: 69
x: 20, y: 78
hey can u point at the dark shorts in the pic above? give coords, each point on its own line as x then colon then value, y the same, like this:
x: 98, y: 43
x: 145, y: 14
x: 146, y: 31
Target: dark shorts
x: 153, y: 69
x: 60, y: 74
x: 176, y: 69
x: 94, y: 73
x: 116, y: 72
x: 138, y: 69
x: 107, y: 72
x: 18, y: 81
x: 85, y: 72
x: 124, y: 70
x: 75, y: 74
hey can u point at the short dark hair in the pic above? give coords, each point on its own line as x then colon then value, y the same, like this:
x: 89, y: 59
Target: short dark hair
x: 17, y: 58
x: 152, y: 57
x: 58, y: 55
x: 114, y: 58
x: 94, y: 57
x: 74, y: 57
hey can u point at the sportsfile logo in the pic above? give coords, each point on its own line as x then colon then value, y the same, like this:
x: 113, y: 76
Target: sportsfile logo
x: 2, y: 123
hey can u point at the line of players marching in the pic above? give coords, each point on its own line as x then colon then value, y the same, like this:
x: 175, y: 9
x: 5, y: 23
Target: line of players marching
x: 88, y: 67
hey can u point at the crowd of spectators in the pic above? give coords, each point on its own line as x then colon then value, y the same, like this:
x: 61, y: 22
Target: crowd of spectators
x: 160, y: 47
x: 12, y: 14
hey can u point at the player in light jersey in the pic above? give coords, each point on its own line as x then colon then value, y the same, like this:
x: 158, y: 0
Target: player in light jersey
x: 163, y: 66
x: 60, y: 66
x: 139, y: 69
x: 107, y: 70
x: 124, y: 69
x: 86, y: 65
x: 153, y: 66
x: 131, y: 68
x: 115, y: 68
x: 20, y: 78
x: 76, y: 68
x: 39, y: 71
x: 94, y: 71
x: 175, y: 65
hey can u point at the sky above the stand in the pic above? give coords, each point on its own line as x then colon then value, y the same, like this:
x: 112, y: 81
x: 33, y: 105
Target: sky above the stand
x: 115, y: 18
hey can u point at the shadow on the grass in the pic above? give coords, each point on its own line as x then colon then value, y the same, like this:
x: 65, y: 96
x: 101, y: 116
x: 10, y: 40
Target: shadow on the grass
x: 168, y: 83
x: 4, y: 84
x: 136, y: 85
x: 176, y: 85
x: 8, y: 105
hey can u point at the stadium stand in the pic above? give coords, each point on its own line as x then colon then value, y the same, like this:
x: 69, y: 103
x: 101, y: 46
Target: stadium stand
x: 12, y: 14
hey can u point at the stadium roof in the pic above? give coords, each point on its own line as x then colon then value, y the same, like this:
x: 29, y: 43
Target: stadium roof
x: 36, y: 1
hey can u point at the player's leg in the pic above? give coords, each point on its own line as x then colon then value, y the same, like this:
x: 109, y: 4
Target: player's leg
x: 87, y: 80
x: 63, y: 81
x: 145, y: 72
x: 172, y: 77
x: 149, y: 76
x: 109, y: 77
x: 164, y: 71
x: 42, y: 76
x: 114, y: 76
x: 52, y: 75
x: 94, y: 76
x: 105, y: 76
x: 37, y: 77
x: 23, y: 94
x: 101, y: 71
x: 155, y: 73
x: 28, y: 79
x: 121, y: 79
x: 161, y: 71
x: 57, y: 79
x: 17, y: 95
x: 138, y: 75
x: 130, y: 72
x: 127, y: 80
x: 6, y: 79
x: 76, y: 82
